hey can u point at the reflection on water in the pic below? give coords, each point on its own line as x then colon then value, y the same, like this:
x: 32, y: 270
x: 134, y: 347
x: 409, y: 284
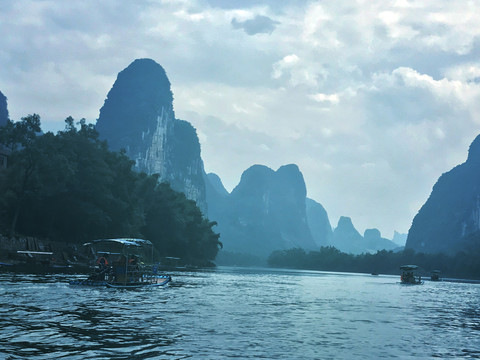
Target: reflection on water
x: 240, y: 313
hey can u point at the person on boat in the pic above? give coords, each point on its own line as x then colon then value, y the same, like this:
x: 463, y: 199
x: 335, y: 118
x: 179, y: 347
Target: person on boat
x: 134, y: 268
x: 102, y: 268
x: 102, y: 261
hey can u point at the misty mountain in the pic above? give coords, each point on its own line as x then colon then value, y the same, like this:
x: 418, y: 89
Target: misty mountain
x: 449, y: 221
x: 374, y: 241
x: 217, y: 185
x: 265, y: 212
x: 138, y: 116
x: 347, y: 239
x: 319, y: 223
x: 3, y: 110
x: 269, y: 210
x: 399, y: 239
x: 217, y: 198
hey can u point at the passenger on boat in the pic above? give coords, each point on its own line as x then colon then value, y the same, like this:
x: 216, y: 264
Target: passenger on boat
x: 102, y: 261
x: 102, y: 269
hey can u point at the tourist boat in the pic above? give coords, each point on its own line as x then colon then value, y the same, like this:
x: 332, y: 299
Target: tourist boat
x: 120, y: 264
x: 435, y: 276
x: 408, y: 275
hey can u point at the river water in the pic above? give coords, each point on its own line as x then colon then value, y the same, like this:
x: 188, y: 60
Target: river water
x: 240, y: 313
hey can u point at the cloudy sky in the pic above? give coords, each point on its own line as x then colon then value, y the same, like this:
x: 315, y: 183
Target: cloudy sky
x: 373, y: 100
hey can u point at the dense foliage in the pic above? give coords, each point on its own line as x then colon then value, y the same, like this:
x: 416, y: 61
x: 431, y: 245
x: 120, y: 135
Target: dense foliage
x: 69, y: 187
x: 462, y: 265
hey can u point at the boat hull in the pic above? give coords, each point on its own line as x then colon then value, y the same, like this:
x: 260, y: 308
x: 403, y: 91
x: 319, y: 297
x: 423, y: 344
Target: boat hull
x: 160, y: 280
x: 87, y: 282
x: 153, y: 282
x: 412, y: 283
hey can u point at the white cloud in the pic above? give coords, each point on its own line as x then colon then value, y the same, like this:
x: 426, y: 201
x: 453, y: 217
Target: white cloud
x: 286, y: 63
x: 440, y: 97
x: 332, y: 98
x: 466, y: 73
x: 298, y: 72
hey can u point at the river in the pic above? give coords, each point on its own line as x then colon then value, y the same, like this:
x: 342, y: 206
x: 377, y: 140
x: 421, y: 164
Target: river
x: 240, y: 313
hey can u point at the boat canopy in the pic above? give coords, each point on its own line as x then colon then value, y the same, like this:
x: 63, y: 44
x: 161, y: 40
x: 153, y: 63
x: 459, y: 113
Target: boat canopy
x: 122, y: 246
x: 408, y: 267
x: 122, y: 241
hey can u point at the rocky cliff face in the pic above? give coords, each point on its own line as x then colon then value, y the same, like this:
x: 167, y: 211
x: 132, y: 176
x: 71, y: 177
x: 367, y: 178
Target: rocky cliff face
x: 450, y: 219
x: 265, y: 212
x: 138, y: 116
x: 3, y: 110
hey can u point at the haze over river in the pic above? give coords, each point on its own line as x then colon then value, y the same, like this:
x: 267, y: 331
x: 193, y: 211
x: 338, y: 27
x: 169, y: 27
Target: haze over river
x: 240, y: 313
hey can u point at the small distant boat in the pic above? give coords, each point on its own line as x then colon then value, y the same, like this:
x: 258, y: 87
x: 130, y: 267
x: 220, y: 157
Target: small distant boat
x: 120, y: 265
x: 408, y: 276
x: 35, y: 262
x: 435, y: 276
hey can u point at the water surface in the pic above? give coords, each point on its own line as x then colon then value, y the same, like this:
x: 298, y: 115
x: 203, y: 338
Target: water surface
x: 242, y: 314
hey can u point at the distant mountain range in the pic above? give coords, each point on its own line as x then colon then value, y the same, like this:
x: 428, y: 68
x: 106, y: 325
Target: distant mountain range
x: 268, y: 210
x: 347, y: 239
x: 265, y: 212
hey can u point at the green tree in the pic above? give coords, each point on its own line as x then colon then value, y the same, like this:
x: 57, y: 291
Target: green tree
x: 178, y: 228
x: 22, y: 134
x: 69, y: 187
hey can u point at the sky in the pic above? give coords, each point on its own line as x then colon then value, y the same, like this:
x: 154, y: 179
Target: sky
x: 372, y: 99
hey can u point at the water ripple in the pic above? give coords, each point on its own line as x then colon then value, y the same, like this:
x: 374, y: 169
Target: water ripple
x: 240, y: 314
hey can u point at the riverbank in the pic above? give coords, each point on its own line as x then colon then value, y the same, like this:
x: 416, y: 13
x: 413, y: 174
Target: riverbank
x: 34, y: 255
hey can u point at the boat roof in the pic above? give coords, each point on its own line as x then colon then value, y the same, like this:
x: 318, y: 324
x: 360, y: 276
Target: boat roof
x: 122, y: 241
x: 409, y: 267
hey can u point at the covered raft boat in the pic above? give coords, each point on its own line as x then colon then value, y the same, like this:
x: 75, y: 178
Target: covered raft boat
x: 121, y: 263
x: 408, y: 275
